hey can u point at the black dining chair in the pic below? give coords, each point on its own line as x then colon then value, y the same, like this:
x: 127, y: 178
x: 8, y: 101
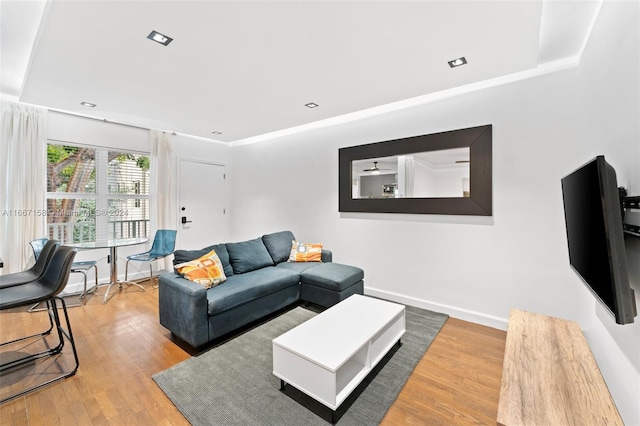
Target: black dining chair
x: 78, y: 267
x: 44, y: 289
x: 36, y: 270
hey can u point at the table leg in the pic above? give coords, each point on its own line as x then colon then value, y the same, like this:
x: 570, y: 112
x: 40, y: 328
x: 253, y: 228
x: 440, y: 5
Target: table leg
x: 114, y: 274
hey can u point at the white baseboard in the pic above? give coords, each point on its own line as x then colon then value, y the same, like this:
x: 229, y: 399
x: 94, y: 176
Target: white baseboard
x: 463, y: 314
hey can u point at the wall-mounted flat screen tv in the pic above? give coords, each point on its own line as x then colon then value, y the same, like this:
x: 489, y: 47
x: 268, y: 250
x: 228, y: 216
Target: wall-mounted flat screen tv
x: 593, y: 218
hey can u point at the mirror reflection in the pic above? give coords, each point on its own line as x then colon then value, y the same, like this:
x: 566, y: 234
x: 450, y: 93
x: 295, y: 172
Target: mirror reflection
x: 431, y: 174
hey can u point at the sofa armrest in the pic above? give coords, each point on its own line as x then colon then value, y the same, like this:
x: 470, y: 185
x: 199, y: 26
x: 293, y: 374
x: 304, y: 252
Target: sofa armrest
x: 327, y: 256
x: 183, y: 308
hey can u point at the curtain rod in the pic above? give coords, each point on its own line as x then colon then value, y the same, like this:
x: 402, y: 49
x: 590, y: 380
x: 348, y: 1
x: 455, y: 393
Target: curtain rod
x: 105, y: 120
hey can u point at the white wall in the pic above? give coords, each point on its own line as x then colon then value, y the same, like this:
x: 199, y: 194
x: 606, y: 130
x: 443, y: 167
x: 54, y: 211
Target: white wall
x: 87, y: 131
x: 609, y: 82
x: 424, y: 181
x: 448, y: 181
x: 470, y: 267
x: 68, y: 128
x: 476, y: 264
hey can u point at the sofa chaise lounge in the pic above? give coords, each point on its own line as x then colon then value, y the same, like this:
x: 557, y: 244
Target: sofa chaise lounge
x: 260, y: 281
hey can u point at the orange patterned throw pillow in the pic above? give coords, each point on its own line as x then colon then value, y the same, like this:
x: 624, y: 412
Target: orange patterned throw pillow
x: 206, y: 270
x: 305, y: 252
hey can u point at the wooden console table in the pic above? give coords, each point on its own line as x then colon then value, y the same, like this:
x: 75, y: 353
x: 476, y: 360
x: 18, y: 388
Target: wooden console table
x: 550, y: 377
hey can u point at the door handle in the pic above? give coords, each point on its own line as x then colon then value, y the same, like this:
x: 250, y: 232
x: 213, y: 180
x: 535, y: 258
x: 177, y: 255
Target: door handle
x: 184, y: 220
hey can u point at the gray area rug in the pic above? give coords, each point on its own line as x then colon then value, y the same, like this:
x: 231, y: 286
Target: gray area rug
x: 233, y: 384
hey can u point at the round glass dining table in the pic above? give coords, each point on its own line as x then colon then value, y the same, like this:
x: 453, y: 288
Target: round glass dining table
x: 112, y: 245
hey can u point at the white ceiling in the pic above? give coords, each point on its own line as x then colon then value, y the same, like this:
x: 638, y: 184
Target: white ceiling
x: 248, y: 68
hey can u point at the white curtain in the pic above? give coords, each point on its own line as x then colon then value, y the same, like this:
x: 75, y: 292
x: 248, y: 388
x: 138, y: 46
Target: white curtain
x: 22, y: 182
x: 410, y: 175
x: 406, y: 176
x: 163, y: 197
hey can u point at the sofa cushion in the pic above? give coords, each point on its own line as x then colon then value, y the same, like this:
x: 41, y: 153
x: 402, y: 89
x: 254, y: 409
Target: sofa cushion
x: 247, y: 256
x: 279, y: 245
x: 182, y: 256
x: 206, y: 270
x: 244, y: 288
x: 332, y: 276
x: 297, y: 266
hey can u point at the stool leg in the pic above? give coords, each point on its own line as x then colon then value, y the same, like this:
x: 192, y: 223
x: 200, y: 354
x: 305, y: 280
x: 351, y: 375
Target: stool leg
x: 94, y: 288
x: 151, y: 274
x: 85, y: 287
x: 126, y: 277
x: 84, y: 293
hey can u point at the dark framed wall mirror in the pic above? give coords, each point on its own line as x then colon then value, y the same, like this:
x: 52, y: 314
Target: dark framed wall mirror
x: 446, y: 173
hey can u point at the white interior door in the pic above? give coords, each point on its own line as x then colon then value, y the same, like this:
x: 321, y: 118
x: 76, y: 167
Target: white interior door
x: 201, y: 204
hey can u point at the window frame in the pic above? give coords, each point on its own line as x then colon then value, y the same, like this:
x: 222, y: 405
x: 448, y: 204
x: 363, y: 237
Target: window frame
x: 102, y: 194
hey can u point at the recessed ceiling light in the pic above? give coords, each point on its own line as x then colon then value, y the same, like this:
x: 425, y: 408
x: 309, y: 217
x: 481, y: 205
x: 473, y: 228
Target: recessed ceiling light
x: 311, y: 105
x: 88, y: 104
x: 457, y: 62
x: 215, y: 132
x: 159, y: 38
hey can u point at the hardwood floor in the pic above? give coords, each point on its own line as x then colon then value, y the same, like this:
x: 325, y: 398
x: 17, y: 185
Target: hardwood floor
x: 121, y: 345
x: 457, y: 382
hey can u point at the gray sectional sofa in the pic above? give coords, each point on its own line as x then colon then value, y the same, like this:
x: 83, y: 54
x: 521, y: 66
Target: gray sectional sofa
x: 260, y: 281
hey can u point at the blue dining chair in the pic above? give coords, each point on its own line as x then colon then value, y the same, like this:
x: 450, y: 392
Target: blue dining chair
x: 80, y: 267
x: 163, y: 245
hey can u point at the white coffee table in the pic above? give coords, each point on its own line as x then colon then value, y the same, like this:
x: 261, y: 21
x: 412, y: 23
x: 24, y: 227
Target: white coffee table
x: 327, y: 356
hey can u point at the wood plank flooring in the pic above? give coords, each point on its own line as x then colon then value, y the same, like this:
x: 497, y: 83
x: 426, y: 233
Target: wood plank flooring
x: 121, y: 345
x: 457, y: 382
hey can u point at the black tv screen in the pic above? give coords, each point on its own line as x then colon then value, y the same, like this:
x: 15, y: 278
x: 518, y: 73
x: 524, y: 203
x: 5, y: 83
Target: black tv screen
x: 593, y: 218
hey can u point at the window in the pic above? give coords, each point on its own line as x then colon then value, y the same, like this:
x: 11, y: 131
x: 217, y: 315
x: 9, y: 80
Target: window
x: 136, y: 189
x: 96, y: 194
